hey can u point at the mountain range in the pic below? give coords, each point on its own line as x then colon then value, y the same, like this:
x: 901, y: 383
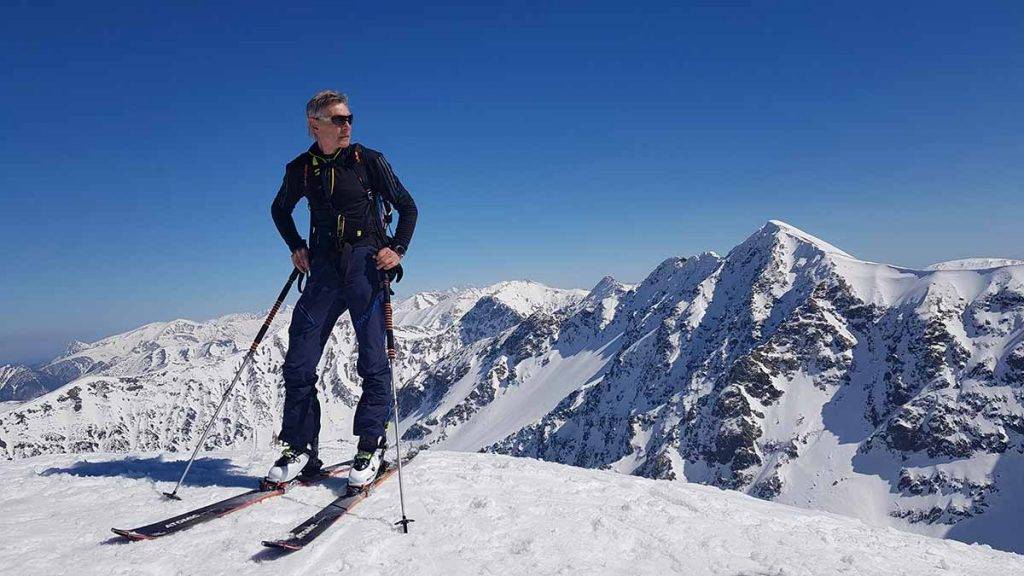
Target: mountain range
x: 787, y: 369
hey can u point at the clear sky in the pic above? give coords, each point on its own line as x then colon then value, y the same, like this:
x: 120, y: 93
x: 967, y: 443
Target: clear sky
x: 142, y: 145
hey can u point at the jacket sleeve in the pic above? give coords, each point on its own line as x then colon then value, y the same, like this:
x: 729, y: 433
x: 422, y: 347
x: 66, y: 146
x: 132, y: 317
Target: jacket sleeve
x: 281, y: 211
x: 400, y: 198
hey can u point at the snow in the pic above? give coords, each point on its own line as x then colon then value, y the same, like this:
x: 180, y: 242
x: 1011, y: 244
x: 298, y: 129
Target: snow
x: 545, y: 382
x: 975, y: 264
x: 523, y: 296
x: 179, y: 343
x: 474, y: 514
x: 153, y: 387
x: 778, y: 227
x: 877, y: 284
x: 438, y: 310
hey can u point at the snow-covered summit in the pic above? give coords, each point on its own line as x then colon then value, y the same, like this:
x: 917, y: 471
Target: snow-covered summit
x: 777, y: 229
x: 438, y: 311
x: 524, y: 296
x: 790, y: 370
x: 605, y: 288
x: 605, y: 285
x: 474, y: 513
x: 74, y: 347
x: 975, y: 264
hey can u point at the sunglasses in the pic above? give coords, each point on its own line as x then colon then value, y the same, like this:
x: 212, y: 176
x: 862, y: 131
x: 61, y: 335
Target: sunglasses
x: 341, y: 119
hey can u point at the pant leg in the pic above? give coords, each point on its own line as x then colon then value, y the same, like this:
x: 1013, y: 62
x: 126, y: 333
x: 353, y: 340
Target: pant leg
x: 313, y: 320
x: 366, y: 306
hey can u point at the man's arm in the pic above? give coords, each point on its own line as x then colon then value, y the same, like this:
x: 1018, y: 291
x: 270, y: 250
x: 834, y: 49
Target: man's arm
x: 281, y: 211
x: 400, y: 198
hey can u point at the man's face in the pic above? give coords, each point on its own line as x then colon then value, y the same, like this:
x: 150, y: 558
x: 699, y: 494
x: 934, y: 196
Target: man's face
x: 329, y: 135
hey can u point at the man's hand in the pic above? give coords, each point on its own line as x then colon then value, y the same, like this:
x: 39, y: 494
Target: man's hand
x: 300, y: 259
x: 387, y: 259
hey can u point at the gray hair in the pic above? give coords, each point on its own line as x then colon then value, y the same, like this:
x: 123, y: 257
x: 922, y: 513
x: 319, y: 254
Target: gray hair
x: 323, y: 100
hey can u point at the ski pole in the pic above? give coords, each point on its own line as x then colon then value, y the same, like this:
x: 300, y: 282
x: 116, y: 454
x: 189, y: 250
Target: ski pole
x: 245, y: 361
x: 389, y: 329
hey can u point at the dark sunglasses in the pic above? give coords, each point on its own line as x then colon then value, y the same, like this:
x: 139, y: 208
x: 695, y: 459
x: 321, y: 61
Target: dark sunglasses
x: 341, y: 119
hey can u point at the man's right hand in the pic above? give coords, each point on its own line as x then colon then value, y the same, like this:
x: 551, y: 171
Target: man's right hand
x: 300, y: 259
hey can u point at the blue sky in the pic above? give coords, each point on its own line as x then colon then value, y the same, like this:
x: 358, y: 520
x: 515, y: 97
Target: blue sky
x: 143, y: 145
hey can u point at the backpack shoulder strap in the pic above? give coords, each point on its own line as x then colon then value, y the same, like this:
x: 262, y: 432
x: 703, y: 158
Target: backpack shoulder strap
x: 362, y: 158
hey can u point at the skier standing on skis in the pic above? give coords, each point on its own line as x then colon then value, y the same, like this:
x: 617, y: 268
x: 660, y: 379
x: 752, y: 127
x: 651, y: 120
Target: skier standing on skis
x: 348, y: 188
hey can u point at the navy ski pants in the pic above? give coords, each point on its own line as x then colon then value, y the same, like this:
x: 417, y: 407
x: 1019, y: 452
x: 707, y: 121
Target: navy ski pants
x: 335, y: 285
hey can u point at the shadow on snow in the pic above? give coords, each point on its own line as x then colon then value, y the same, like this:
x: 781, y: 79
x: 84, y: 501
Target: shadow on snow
x: 204, y: 472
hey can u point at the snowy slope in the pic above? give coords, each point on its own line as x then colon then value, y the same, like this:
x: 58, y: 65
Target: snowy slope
x: 474, y: 514
x: 787, y: 369
x: 484, y: 392
x: 20, y: 382
x: 975, y: 264
x: 154, y: 387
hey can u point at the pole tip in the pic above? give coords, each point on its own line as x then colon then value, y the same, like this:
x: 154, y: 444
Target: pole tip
x: 405, y: 524
x: 172, y: 495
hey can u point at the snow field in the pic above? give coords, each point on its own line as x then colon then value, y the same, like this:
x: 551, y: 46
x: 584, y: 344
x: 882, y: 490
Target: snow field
x: 475, y: 514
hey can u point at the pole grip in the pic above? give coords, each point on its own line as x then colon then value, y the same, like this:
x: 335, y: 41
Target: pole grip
x: 389, y: 319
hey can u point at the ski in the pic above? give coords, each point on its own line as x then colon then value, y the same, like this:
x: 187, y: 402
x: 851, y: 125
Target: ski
x: 226, y: 506
x: 308, y: 531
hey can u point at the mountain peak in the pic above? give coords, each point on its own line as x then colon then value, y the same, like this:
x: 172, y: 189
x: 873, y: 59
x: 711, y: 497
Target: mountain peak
x: 605, y: 284
x: 606, y: 287
x: 975, y: 264
x: 777, y: 229
x: 74, y: 347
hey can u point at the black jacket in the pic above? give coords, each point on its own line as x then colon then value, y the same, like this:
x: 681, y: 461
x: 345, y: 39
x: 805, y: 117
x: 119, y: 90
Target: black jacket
x: 338, y: 185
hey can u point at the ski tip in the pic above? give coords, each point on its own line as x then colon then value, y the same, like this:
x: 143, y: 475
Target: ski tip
x: 131, y: 535
x: 282, y: 545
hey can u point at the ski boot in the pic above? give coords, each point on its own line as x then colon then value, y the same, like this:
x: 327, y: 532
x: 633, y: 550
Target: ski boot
x: 367, y: 464
x: 289, y: 466
x: 312, y: 468
x: 314, y: 465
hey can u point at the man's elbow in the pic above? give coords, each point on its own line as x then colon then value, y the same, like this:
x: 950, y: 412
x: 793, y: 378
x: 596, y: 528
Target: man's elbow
x: 408, y: 207
x: 276, y: 212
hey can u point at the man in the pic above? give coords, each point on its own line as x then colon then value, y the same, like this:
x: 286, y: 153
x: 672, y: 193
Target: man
x: 348, y: 187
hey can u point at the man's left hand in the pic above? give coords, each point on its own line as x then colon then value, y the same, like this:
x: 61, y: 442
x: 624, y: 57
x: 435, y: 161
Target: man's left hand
x: 387, y: 259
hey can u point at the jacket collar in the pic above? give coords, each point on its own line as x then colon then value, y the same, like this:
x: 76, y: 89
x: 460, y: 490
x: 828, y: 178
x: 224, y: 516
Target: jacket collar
x: 340, y: 156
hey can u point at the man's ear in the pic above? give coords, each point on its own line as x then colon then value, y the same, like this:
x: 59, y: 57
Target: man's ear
x: 311, y: 124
